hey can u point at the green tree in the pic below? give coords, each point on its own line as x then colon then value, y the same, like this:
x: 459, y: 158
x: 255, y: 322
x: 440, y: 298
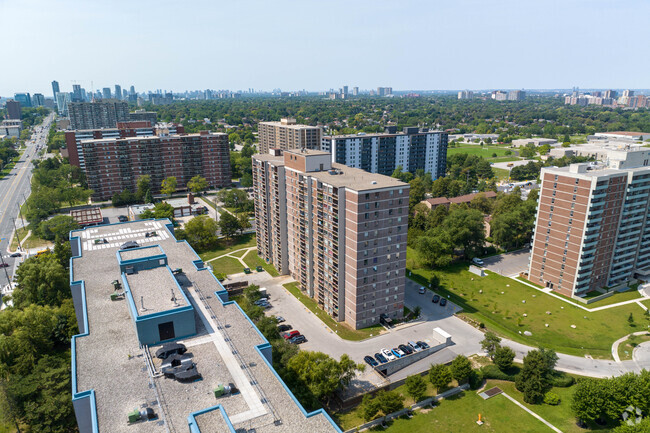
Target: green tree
x: 237, y: 199
x: 490, y: 343
x: 503, y: 357
x: 197, y: 184
x: 369, y: 407
x: 41, y: 280
x: 168, y: 186
x: 244, y: 222
x: 143, y: 187
x: 461, y: 368
x: 588, y: 400
x: 229, y: 224
x: 440, y: 376
x: 390, y: 401
x: 416, y: 387
x: 201, y: 232
x: 57, y: 226
x: 642, y: 427
x: 533, y: 381
x: 160, y: 210
x: 630, y: 319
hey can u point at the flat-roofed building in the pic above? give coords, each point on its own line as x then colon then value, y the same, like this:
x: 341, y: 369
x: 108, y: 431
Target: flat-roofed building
x: 412, y: 149
x: 95, y: 115
x: 129, y: 303
x: 287, y: 134
x: 592, y: 229
x: 345, y: 233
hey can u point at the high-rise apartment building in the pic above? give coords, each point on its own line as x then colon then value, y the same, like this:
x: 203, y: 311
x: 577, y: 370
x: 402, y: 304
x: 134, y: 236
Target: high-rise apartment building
x: 118, y: 91
x: 516, y: 95
x: 465, y: 94
x: 55, y: 89
x: 286, y: 134
x: 25, y: 99
x: 141, y: 115
x: 384, y: 91
x: 38, y: 100
x: 592, y: 228
x: 412, y: 149
x: 14, y: 111
x: 106, y: 93
x: 610, y: 94
x: 355, y: 91
x: 339, y: 231
x: 95, y: 115
x: 62, y: 101
x: 114, y: 164
x: 76, y: 93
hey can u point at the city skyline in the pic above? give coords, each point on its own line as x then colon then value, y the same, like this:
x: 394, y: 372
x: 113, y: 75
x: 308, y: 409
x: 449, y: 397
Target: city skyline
x: 495, y: 40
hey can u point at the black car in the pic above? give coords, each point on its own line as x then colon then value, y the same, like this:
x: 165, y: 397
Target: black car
x: 16, y: 254
x: 170, y: 349
x: 284, y: 328
x: 298, y: 339
x: 435, y: 299
x: 122, y: 218
x: 381, y: 358
x: 423, y: 345
x: 129, y: 245
x: 443, y: 302
x: 371, y: 361
x: 406, y: 349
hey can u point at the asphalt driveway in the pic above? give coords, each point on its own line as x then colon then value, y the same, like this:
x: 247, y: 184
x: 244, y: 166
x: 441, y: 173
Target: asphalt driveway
x: 508, y: 264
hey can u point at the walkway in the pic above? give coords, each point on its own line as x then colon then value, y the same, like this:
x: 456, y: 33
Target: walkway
x: 230, y: 254
x: 551, y: 426
x: 619, y: 341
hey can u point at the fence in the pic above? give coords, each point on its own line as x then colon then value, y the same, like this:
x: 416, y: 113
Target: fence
x: 404, y: 411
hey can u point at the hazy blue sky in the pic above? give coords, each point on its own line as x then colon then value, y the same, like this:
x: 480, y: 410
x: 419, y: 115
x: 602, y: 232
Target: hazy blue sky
x: 317, y: 45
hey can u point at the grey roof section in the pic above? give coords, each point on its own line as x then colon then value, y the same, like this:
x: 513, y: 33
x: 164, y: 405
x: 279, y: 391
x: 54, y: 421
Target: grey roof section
x: 139, y: 253
x: 356, y: 179
x: 152, y: 289
x: 110, y: 361
x: 276, y: 160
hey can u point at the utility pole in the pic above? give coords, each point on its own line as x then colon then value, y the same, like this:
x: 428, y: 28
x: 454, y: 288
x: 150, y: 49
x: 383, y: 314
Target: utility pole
x: 21, y: 214
x: 2, y: 259
x: 17, y: 237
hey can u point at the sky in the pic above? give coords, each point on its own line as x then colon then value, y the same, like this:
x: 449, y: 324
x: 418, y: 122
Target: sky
x: 318, y: 45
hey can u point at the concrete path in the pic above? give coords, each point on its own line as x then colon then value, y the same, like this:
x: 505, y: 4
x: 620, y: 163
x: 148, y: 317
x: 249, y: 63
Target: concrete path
x: 619, y: 341
x: 551, y: 426
x: 641, y: 353
x: 230, y: 254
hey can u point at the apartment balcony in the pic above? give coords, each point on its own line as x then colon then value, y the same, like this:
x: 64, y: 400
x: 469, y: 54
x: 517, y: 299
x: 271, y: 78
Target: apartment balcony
x: 597, y: 195
x: 593, y: 213
x: 593, y: 235
x: 590, y: 244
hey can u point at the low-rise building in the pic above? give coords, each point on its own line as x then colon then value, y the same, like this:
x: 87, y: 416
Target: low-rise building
x: 131, y: 302
x: 537, y: 141
x: 11, y: 128
x: 433, y: 203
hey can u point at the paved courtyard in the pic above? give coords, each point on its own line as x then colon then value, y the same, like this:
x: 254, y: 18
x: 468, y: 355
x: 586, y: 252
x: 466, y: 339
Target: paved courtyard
x: 508, y: 264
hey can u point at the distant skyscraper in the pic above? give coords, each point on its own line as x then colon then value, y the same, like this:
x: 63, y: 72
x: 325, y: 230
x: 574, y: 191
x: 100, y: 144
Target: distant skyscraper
x: 355, y: 91
x: 628, y: 93
x: 106, y: 93
x: 38, y: 100
x: 55, y: 89
x: 125, y: 94
x: 345, y: 90
x: 132, y: 90
x: 610, y: 94
x: 465, y: 94
x: 516, y: 95
x: 24, y: 98
x: 13, y: 109
x: 384, y: 91
x: 76, y: 93
x: 95, y: 115
x: 118, y: 91
x: 62, y: 101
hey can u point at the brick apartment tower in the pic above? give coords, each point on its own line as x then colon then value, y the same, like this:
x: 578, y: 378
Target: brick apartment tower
x: 592, y: 229
x: 345, y: 231
x: 286, y: 134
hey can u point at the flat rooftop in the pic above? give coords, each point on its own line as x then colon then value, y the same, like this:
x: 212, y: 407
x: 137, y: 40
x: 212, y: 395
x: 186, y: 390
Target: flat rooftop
x: 382, y: 134
x: 108, y: 360
x: 152, y: 291
x: 148, y: 137
x: 290, y: 125
x: 139, y: 253
x: 356, y: 179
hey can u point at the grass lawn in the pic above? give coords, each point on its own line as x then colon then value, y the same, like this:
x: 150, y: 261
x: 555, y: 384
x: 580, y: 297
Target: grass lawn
x: 241, y: 253
x: 501, y: 309
x: 626, y: 348
x: 253, y: 261
x: 646, y: 303
x: 343, y: 330
x: 504, y: 159
x: 459, y: 413
x: 31, y: 242
x: 485, y: 151
x: 501, y: 173
x: 227, y: 265
x: 10, y: 166
x: 227, y: 246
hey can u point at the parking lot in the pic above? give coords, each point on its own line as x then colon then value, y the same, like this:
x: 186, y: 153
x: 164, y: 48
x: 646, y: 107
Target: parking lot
x: 508, y: 264
x: 321, y: 338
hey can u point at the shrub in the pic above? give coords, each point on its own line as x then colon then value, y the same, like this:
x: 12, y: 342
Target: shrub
x: 561, y: 380
x: 476, y: 379
x: 551, y: 398
x: 493, y: 372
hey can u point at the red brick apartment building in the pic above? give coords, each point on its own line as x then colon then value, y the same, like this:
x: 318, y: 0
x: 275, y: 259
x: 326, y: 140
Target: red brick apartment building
x: 592, y: 229
x: 113, y: 159
x: 345, y: 232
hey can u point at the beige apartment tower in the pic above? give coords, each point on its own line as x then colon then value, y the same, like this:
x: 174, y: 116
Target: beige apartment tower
x: 286, y: 135
x: 339, y: 231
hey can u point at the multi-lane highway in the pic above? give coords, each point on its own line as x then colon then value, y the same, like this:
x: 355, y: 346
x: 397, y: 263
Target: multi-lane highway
x: 14, y: 188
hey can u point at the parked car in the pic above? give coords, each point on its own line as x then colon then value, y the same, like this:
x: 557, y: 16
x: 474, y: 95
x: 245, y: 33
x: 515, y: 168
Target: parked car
x: 150, y: 234
x: 284, y: 328
x: 422, y: 290
x: 279, y: 319
x: 16, y: 254
x: 4, y: 265
x: 371, y: 361
x: 291, y: 334
x: 423, y: 345
x: 122, y: 218
x: 298, y: 339
x: 397, y: 352
x: 388, y: 354
x: 381, y: 358
x: 477, y: 261
x: 404, y: 348
x: 129, y: 245
x: 415, y: 346
x: 443, y: 302
x: 435, y: 299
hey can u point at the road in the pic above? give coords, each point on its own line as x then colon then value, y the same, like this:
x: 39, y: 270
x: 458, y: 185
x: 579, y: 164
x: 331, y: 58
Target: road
x: 14, y: 188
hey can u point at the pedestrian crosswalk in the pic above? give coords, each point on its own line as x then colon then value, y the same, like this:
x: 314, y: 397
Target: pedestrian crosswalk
x: 122, y: 233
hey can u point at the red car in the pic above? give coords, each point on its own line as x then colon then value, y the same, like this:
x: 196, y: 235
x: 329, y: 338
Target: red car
x: 289, y: 335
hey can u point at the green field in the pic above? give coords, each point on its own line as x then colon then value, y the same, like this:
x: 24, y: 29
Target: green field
x: 253, y: 261
x: 10, y: 166
x: 501, y: 173
x: 617, y: 297
x: 31, y: 242
x: 626, y: 348
x: 227, y: 265
x: 501, y: 308
x: 485, y: 151
x: 227, y: 246
x: 343, y: 330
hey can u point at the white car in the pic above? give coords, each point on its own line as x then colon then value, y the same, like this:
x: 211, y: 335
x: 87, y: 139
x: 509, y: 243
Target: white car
x: 414, y: 346
x: 422, y: 290
x: 388, y: 354
x: 399, y: 351
x: 477, y: 261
